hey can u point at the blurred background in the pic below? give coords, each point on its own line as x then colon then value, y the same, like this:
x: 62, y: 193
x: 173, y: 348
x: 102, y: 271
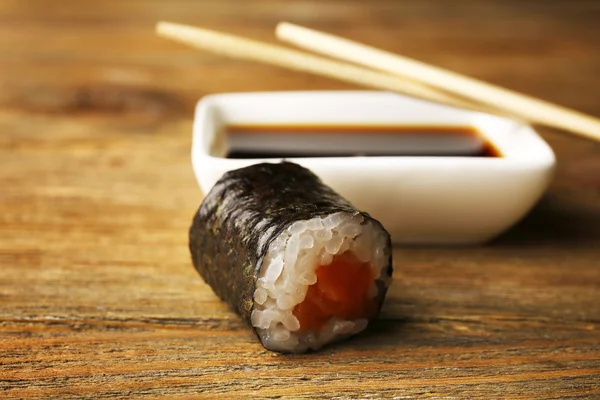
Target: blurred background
x: 68, y: 55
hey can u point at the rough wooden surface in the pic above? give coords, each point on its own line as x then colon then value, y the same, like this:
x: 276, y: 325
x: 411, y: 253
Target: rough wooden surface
x: 98, y: 297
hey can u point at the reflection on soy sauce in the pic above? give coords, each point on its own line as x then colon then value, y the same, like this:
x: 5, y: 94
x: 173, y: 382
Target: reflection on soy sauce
x: 297, y: 140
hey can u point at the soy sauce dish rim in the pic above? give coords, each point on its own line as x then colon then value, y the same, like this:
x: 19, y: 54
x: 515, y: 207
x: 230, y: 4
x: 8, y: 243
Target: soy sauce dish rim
x: 516, y: 154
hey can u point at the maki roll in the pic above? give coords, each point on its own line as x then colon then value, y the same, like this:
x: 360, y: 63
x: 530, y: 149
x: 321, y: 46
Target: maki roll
x: 296, y: 260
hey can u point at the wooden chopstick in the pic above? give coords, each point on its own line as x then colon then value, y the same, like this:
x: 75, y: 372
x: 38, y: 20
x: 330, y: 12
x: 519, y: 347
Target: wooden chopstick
x: 504, y: 100
x: 247, y: 49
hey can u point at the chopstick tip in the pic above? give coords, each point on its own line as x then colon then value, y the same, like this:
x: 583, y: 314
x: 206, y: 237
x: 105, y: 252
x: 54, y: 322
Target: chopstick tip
x: 282, y: 26
x: 160, y: 27
x: 165, y: 28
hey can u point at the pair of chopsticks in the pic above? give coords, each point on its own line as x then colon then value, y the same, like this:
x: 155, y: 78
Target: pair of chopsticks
x: 379, y: 69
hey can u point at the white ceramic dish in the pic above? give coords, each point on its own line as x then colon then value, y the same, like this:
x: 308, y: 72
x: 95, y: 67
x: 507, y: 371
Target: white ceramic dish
x: 420, y: 200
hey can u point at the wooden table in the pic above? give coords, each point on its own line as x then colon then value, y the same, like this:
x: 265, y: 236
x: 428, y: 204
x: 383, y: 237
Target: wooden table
x: 98, y: 297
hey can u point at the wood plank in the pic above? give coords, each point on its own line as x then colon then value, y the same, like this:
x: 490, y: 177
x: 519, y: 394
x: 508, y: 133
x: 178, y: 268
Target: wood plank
x: 98, y: 297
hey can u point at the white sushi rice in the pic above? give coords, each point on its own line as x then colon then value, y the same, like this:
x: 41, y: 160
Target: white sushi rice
x: 289, y: 268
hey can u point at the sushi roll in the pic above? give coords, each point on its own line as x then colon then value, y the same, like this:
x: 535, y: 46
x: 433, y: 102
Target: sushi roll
x: 297, y: 261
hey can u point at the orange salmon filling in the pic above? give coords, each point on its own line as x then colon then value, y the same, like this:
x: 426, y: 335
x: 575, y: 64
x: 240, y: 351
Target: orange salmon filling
x: 342, y: 290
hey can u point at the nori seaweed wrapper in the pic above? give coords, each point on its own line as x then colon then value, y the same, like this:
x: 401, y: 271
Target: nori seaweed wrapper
x: 243, y: 213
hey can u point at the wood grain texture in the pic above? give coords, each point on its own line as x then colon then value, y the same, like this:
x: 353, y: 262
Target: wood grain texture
x: 98, y: 297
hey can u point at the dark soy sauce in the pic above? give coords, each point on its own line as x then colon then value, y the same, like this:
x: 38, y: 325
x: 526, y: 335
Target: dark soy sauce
x: 292, y: 141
